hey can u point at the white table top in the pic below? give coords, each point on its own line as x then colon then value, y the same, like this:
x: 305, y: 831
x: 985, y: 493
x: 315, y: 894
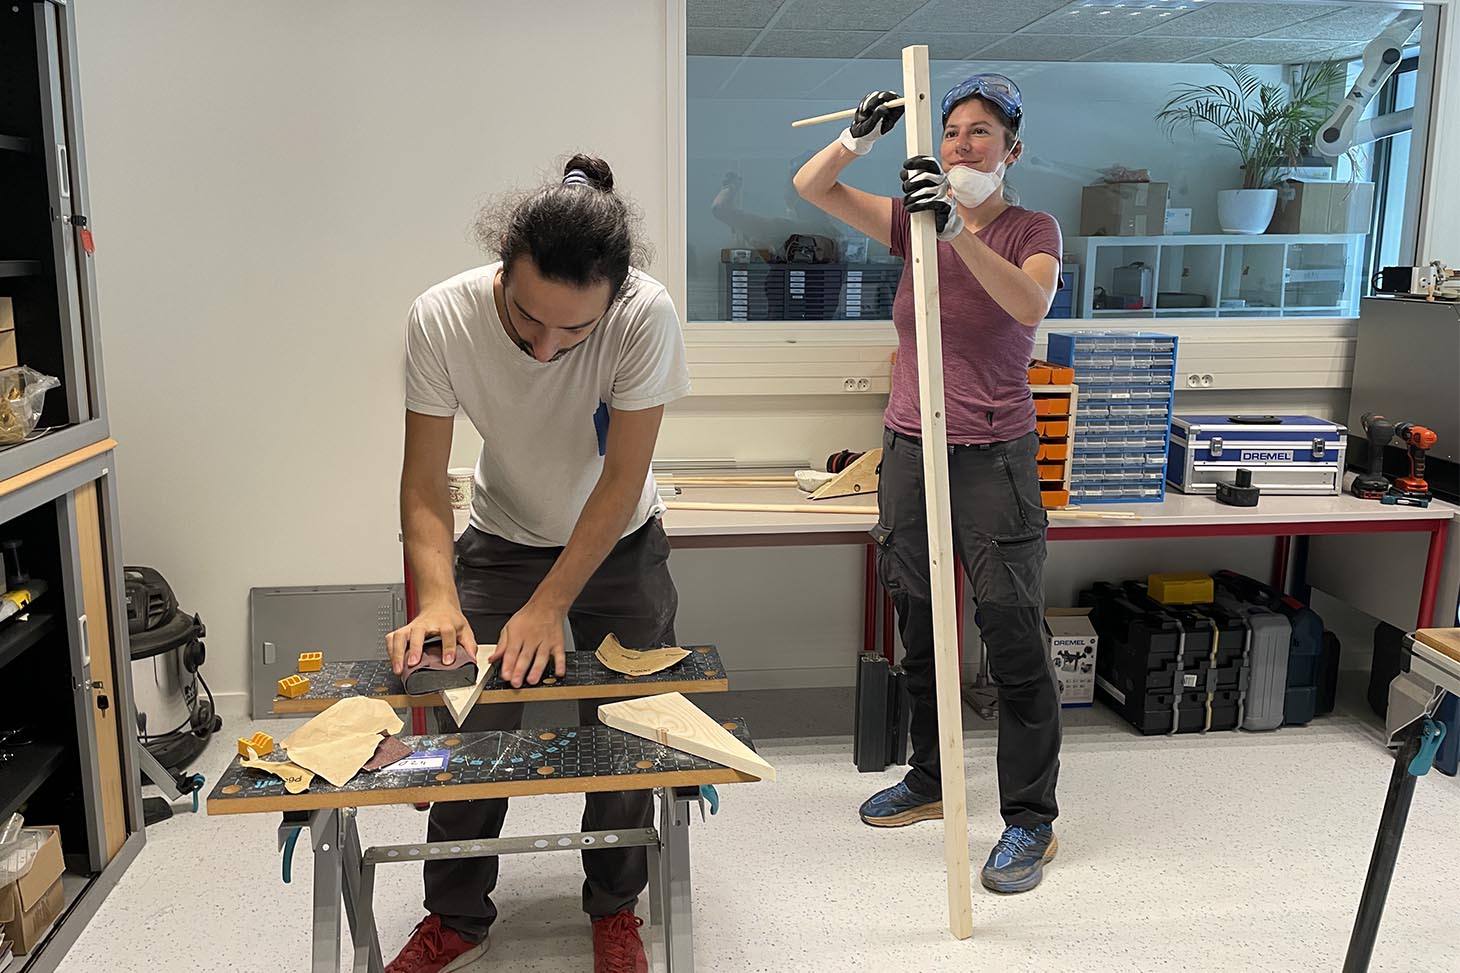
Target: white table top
x: 1177, y: 509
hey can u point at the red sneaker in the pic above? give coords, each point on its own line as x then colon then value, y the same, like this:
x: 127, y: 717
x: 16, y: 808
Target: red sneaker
x: 434, y: 948
x: 617, y: 947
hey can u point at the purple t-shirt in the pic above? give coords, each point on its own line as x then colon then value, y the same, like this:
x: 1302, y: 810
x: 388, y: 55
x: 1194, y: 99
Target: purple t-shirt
x: 985, y: 351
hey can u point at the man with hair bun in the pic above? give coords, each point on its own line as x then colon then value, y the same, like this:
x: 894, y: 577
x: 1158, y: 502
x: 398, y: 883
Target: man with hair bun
x: 563, y: 356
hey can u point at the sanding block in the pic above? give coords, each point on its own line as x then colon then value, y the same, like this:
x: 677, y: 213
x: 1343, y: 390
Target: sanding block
x: 431, y: 675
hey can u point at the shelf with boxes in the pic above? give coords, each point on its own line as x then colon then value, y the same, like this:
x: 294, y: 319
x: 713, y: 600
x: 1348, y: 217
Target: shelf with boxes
x: 1220, y: 275
x: 1126, y: 382
x: 755, y: 290
x: 1056, y: 399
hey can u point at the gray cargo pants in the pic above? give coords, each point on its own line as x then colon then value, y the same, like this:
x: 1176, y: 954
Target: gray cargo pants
x: 631, y: 595
x: 998, y: 532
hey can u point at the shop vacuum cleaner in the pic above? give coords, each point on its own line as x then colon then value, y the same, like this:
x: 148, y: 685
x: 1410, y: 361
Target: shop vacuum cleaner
x: 174, y: 722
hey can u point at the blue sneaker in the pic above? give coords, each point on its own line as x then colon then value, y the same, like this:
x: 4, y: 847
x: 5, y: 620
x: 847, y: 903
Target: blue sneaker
x: 1017, y: 862
x: 899, y: 806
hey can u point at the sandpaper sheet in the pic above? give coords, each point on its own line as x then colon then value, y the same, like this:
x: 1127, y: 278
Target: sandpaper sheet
x: 296, y: 779
x: 634, y: 662
x: 389, y: 751
x: 339, y: 741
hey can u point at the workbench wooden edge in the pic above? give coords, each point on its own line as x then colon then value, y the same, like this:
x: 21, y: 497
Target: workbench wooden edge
x: 527, y: 694
x: 473, y: 792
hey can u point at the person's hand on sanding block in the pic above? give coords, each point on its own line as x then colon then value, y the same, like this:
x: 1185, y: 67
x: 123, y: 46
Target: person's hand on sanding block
x: 405, y: 645
x: 530, y: 640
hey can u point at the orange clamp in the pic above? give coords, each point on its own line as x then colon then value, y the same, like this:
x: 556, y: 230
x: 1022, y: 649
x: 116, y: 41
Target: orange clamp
x: 260, y: 743
x: 292, y: 687
x: 311, y: 661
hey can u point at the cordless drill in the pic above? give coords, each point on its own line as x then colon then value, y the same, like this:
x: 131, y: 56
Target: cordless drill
x: 1417, y: 439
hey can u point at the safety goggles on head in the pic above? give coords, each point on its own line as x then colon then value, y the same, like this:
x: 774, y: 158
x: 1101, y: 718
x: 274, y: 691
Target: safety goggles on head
x: 1002, y: 92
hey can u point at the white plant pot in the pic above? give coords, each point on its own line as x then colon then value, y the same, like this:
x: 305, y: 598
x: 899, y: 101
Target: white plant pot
x: 1245, y: 210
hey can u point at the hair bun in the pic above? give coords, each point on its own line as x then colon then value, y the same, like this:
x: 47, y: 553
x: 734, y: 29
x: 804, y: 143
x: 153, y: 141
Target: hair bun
x: 599, y: 175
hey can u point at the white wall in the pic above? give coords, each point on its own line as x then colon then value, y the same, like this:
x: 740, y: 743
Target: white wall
x: 1079, y: 119
x: 273, y: 183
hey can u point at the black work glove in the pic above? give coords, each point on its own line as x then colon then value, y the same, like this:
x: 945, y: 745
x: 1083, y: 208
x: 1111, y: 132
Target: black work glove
x: 925, y: 188
x: 872, y: 121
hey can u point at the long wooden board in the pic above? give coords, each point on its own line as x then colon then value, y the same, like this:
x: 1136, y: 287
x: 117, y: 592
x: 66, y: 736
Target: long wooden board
x: 1446, y: 641
x: 673, y: 721
x: 941, y: 563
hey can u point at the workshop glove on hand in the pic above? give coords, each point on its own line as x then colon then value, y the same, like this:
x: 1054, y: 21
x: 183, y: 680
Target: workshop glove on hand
x: 872, y: 121
x: 925, y: 188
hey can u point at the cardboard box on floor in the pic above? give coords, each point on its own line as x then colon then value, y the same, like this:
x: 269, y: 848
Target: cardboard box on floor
x: 1323, y: 207
x: 1072, y: 645
x: 1124, y: 209
x: 30, y: 904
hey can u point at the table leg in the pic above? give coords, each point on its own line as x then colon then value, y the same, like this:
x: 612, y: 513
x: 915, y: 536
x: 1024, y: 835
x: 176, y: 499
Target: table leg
x: 359, y: 893
x: 1434, y: 562
x: 1386, y: 852
x: 1281, y: 547
x: 869, y: 600
x: 1300, y: 587
x: 325, y: 832
x: 674, y: 878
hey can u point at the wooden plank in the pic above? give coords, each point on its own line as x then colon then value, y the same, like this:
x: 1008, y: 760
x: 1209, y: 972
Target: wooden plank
x: 781, y: 508
x: 941, y: 563
x: 527, y: 694
x: 109, y: 733
x: 56, y: 466
x: 858, y: 478
x: 1446, y: 641
x: 673, y: 721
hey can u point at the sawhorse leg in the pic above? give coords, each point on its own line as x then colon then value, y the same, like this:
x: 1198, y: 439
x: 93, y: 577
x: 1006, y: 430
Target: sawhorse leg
x: 671, y: 901
x: 326, y: 835
x: 1386, y: 850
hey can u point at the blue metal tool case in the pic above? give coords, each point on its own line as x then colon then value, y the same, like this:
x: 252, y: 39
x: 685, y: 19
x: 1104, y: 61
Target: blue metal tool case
x: 1286, y: 454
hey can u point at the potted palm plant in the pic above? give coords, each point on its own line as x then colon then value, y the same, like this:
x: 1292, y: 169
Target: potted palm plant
x: 1270, y: 126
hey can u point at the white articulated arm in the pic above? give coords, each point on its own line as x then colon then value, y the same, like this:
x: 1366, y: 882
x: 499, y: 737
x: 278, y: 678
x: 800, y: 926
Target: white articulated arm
x: 1381, y: 59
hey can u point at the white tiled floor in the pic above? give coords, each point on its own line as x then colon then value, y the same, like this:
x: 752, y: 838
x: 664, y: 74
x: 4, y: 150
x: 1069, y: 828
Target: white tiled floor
x: 1226, y: 852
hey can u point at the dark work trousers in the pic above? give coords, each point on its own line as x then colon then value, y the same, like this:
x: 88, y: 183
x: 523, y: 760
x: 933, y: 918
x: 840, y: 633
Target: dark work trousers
x: 631, y: 595
x: 998, y: 532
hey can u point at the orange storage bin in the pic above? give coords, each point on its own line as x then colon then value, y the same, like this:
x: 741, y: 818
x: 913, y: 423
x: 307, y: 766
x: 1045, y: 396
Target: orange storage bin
x: 1052, y: 471
x: 1055, y: 428
x: 1061, y: 375
x: 1052, y: 405
x: 1053, y: 452
x: 1039, y: 374
x: 1052, y: 499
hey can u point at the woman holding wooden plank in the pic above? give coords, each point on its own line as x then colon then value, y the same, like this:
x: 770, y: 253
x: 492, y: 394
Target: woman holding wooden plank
x: 998, y: 268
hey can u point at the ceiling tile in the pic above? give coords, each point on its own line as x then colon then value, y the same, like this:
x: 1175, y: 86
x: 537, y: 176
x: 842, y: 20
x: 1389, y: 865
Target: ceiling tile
x: 1041, y: 47
x: 847, y: 14
x: 1346, y: 52
x: 1360, y: 23
x: 941, y: 46
x: 1157, y: 50
x: 720, y: 40
x: 1238, y: 19
x: 1105, y: 20
x: 815, y: 43
x: 983, y: 16
x: 1268, y: 51
x: 731, y: 13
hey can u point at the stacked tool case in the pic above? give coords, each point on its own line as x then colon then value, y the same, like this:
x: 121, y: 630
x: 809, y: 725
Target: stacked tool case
x: 1127, y: 382
x: 1308, y: 648
x: 1168, y: 669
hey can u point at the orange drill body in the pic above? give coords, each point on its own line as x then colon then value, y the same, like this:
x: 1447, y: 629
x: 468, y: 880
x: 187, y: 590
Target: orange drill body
x: 1419, y: 440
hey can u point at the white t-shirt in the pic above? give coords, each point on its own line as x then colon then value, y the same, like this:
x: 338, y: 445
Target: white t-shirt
x: 543, y: 424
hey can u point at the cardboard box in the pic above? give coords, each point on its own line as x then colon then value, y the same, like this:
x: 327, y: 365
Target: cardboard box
x: 1072, y: 645
x: 1305, y: 206
x: 1178, y: 220
x: 30, y: 904
x: 7, y: 314
x: 1124, y: 209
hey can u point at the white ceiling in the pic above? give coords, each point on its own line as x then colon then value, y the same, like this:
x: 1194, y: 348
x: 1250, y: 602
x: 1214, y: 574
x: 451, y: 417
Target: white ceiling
x: 1039, y: 30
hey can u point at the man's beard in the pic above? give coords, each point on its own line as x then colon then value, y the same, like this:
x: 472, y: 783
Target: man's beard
x: 527, y: 350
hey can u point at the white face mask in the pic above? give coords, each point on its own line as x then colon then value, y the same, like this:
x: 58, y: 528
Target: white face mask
x: 972, y: 186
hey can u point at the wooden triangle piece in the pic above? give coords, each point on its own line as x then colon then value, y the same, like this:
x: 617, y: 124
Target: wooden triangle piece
x: 860, y: 477
x: 459, y: 702
x: 673, y: 721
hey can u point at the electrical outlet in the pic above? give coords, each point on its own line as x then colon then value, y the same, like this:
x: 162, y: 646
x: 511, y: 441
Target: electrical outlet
x: 863, y: 384
x: 1193, y: 380
x: 850, y: 385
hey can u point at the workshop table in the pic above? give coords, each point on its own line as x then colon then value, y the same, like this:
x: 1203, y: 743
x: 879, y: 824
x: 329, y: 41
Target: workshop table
x: 1431, y: 665
x: 481, y: 766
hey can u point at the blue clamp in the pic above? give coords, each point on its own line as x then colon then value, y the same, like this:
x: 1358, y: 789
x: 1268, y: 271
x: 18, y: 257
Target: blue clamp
x: 1431, y: 735
x: 196, y: 783
x: 289, y: 854
x: 708, y: 793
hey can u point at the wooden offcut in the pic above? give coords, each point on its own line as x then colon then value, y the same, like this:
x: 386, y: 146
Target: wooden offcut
x: 1445, y: 641
x: 673, y: 721
x: 941, y: 563
x: 857, y: 479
